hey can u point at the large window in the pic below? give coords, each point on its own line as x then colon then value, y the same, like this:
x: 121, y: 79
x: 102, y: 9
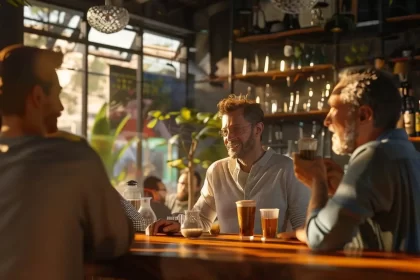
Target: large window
x: 112, y: 83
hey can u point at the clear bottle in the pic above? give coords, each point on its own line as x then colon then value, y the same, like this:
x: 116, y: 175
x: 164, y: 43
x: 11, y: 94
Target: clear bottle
x: 146, y: 213
x: 191, y: 226
x: 132, y: 194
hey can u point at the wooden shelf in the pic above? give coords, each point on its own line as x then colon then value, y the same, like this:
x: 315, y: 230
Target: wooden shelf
x: 404, y: 18
x: 300, y: 116
x: 277, y: 35
x: 414, y: 139
x: 213, y: 80
x: 400, y: 59
x: 276, y: 73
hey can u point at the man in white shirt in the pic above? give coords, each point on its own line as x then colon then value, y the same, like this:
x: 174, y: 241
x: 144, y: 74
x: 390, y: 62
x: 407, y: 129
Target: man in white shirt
x: 250, y: 172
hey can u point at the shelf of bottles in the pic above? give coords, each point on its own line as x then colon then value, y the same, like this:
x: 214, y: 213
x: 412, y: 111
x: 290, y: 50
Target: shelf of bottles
x: 410, y: 112
x: 303, y: 107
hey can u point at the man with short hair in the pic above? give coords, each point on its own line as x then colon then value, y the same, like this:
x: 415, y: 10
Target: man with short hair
x: 58, y: 207
x: 377, y: 203
x: 178, y: 202
x: 249, y: 173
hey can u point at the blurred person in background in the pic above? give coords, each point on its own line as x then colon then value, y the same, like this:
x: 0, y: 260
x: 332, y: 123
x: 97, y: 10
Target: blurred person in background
x: 154, y: 187
x: 178, y: 202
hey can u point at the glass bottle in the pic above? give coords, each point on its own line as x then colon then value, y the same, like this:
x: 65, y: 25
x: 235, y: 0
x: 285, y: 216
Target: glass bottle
x: 191, y: 226
x: 146, y: 213
x: 132, y: 194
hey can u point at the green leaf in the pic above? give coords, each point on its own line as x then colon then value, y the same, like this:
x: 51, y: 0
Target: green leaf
x: 177, y: 163
x: 203, y: 116
x: 117, y: 157
x: 101, y: 124
x: 173, y: 139
x: 207, y: 132
x: 196, y: 161
x: 180, y: 120
x: 154, y: 114
x: 121, y: 126
x: 205, y: 164
x: 186, y: 114
x: 152, y: 123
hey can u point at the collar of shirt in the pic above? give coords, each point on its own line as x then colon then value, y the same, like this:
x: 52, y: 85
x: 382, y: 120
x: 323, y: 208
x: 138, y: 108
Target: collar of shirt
x: 397, y: 134
x: 235, y: 168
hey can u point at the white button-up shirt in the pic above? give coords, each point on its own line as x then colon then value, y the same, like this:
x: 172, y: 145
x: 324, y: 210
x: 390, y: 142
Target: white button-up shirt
x: 271, y: 183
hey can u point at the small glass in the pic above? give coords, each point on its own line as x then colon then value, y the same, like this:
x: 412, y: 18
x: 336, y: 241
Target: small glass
x: 191, y: 226
x: 269, y: 223
x: 307, y: 148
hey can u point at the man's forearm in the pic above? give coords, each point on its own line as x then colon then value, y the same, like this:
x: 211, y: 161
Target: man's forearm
x: 319, y: 195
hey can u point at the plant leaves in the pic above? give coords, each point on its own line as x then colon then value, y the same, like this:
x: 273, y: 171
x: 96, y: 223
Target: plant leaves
x: 203, y: 116
x: 152, y: 123
x: 186, y: 114
x: 121, y: 126
x: 207, y: 132
x: 177, y: 163
x: 154, y: 114
x: 173, y: 139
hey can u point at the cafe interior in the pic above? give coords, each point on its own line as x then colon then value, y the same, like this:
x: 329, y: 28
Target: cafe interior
x: 141, y: 81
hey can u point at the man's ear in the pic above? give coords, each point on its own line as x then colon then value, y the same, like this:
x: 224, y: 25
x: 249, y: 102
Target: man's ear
x: 259, y: 128
x: 37, y: 96
x: 365, y: 113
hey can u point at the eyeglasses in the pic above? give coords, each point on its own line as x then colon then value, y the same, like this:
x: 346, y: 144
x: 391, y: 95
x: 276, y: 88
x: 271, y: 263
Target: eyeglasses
x: 235, y: 130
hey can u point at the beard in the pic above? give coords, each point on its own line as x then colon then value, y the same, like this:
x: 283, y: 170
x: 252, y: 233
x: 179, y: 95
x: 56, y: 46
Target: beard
x: 346, y: 144
x: 237, y: 149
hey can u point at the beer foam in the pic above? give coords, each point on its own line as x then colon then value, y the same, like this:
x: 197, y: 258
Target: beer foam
x: 245, y: 203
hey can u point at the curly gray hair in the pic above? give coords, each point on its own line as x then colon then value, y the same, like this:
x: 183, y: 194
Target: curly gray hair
x: 373, y: 88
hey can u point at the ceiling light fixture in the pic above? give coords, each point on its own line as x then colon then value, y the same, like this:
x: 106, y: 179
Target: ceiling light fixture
x: 108, y: 18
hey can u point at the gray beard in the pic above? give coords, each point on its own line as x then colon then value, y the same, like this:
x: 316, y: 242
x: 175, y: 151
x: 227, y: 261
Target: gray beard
x: 347, y: 145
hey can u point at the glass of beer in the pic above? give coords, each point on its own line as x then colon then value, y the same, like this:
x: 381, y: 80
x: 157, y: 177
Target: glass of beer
x: 246, y: 218
x: 269, y: 223
x: 307, y: 148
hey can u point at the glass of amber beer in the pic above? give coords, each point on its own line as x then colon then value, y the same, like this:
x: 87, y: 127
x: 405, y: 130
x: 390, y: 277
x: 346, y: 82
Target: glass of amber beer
x: 269, y: 222
x: 307, y: 148
x: 246, y: 218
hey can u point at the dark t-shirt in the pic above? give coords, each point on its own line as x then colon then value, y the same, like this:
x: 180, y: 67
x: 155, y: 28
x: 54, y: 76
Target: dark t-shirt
x: 57, y: 208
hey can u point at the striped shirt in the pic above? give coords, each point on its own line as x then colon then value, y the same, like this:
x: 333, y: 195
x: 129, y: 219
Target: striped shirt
x: 271, y: 183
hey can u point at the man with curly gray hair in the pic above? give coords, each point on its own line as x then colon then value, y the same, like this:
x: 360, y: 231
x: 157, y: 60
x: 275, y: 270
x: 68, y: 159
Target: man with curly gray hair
x: 375, y: 205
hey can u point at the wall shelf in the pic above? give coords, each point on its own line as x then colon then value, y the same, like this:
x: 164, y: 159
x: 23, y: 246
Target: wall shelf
x: 276, y: 73
x: 414, y: 139
x: 404, y: 18
x: 297, y: 117
x: 277, y: 35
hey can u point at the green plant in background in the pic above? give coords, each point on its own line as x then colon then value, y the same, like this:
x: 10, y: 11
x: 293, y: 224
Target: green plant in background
x: 18, y: 3
x: 103, y: 141
x: 195, y: 127
x: 357, y: 54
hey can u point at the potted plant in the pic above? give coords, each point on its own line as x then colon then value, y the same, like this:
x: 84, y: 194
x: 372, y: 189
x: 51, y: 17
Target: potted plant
x: 194, y: 128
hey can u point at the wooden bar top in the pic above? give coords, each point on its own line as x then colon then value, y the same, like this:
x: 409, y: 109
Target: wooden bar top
x: 227, y: 257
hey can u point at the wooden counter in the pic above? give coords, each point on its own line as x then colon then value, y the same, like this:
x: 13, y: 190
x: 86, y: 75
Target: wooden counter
x: 226, y: 257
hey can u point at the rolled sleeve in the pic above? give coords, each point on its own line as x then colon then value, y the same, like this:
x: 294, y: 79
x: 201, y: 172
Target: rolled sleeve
x: 364, y: 190
x: 206, y: 203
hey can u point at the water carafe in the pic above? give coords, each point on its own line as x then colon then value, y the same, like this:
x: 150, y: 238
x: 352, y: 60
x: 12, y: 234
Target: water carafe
x: 147, y: 216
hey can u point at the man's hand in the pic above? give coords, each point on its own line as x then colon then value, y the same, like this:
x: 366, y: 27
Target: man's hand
x: 163, y: 226
x: 334, y: 173
x: 299, y: 234
x: 308, y: 170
